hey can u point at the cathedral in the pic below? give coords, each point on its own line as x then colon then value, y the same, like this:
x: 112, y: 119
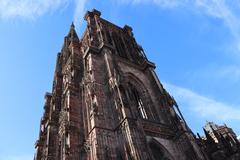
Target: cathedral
x: 107, y: 102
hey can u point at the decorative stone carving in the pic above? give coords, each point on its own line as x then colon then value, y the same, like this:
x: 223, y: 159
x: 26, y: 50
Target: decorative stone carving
x: 105, y: 99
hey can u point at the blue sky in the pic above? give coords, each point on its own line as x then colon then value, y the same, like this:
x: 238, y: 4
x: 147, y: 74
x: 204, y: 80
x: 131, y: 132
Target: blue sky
x: 195, y: 45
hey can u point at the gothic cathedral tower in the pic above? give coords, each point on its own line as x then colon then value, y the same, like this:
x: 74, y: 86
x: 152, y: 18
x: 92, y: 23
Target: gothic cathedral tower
x: 107, y: 103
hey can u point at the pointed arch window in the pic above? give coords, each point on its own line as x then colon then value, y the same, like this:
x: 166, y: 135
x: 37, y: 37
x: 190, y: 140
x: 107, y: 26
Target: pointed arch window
x: 139, y: 102
x: 120, y: 47
x: 158, y: 152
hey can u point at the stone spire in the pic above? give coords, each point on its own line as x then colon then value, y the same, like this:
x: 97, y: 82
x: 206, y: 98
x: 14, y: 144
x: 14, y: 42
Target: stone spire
x: 72, y: 35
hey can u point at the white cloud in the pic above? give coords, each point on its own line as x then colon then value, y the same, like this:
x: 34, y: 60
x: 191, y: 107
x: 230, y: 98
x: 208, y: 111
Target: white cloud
x: 238, y: 137
x: 163, y: 3
x: 202, y: 106
x: 32, y: 9
x: 79, y: 11
x: 226, y: 10
x: 160, y: 3
x: 228, y: 73
x: 29, y: 9
x: 231, y: 72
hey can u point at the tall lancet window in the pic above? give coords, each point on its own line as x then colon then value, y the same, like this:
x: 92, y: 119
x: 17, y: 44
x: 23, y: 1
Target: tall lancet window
x: 120, y: 47
x: 138, y: 101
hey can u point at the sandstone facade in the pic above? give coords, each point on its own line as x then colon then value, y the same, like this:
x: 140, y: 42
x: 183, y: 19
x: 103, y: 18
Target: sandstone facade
x: 107, y: 102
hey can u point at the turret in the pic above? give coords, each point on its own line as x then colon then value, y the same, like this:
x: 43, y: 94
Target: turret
x: 94, y: 31
x: 209, y: 138
x: 72, y: 35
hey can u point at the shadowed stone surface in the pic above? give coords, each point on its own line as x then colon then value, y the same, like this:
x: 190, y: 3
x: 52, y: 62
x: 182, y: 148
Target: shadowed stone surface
x: 107, y: 102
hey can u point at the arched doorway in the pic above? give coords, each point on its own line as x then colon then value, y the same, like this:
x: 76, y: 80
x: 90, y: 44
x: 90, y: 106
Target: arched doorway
x: 158, y: 151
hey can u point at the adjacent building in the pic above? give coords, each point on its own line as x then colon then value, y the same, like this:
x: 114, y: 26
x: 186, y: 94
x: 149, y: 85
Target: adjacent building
x: 220, y: 142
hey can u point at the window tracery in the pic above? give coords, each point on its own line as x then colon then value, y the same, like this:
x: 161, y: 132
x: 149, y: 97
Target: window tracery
x: 119, y: 45
x: 138, y: 101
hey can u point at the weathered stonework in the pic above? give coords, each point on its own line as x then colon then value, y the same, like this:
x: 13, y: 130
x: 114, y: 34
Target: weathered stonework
x: 219, y: 142
x: 107, y: 102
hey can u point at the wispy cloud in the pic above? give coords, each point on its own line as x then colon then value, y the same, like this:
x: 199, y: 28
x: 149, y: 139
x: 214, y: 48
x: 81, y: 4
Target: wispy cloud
x: 29, y: 9
x: 160, y: 3
x: 227, y: 11
x: 203, y: 106
x: 229, y: 72
x: 79, y: 11
x: 32, y: 9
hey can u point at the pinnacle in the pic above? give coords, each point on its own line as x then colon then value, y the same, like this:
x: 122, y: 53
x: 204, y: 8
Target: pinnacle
x: 72, y: 25
x: 72, y: 33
